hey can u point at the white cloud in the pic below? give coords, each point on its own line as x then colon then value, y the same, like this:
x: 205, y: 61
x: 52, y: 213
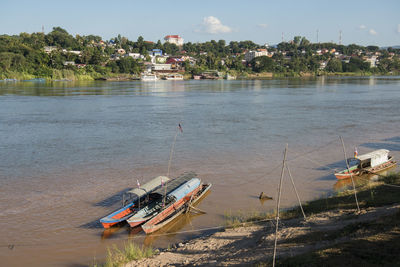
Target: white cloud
x: 262, y: 25
x: 398, y: 28
x: 213, y: 25
x: 372, y: 32
x: 362, y: 27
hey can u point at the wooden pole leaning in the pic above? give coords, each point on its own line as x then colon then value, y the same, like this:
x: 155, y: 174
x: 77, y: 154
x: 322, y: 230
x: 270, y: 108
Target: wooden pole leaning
x: 169, y: 165
x: 351, y: 174
x: 295, y: 190
x: 278, y: 204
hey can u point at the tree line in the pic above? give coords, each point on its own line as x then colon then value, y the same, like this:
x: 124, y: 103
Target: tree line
x: 24, y: 53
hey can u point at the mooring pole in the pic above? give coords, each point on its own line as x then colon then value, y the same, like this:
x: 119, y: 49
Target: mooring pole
x: 169, y: 162
x: 351, y: 174
x: 278, y: 204
x: 172, y: 152
x: 295, y: 190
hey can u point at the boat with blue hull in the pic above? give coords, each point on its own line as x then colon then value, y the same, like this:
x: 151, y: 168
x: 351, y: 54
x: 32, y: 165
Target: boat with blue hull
x: 135, y: 198
x: 185, y: 198
x: 160, y: 202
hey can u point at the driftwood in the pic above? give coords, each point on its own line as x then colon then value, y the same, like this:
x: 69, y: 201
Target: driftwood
x: 264, y: 196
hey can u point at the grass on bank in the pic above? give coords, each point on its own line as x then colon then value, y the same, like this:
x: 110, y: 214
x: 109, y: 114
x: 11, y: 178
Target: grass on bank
x: 372, y: 243
x: 130, y: 252
x: 369, y: 194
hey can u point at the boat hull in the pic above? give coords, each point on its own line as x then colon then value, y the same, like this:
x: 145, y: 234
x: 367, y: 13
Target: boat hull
x: 118, y: 216
x: 173, y: 211
x: 345, y: 174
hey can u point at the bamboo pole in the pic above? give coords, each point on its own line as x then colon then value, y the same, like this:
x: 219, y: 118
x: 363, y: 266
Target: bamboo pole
x: 351, y: 174
x: 169, y: 162
x: 278, y: 204
x: 171, y: 152
x: 295, y: 190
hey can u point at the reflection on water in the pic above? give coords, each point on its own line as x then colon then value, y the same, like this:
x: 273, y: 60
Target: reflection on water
x: 73, y: 88
x: 171, y: 229
x: 359, y: 181
x: 70, y: 149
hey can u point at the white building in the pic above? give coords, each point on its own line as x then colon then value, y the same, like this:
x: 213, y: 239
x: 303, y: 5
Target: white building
x: 49, y: 49
x: 135, y: 55
x: 158, y: 67
x: 372, y: 61
x: 253, y: 54
x: 174, y: 39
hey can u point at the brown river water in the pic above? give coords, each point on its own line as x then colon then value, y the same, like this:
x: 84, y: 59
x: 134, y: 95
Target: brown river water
x: 69, y: 150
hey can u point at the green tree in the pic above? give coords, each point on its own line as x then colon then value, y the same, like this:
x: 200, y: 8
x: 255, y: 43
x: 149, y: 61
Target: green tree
x: 262, y: 64
x: 334, y: 65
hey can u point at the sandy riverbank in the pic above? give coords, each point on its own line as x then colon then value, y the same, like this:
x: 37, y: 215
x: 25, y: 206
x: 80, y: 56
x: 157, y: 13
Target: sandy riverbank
x: 334, y: 231
x: 254, y: 244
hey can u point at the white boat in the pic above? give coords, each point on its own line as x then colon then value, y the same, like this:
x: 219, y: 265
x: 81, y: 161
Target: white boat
x: 230, y: 77
x: 148, y: 77
x: 174, y: 77
x: 372, y: 162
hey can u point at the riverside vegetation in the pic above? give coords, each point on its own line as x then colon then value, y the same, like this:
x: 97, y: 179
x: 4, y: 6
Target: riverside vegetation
x: 24, y: 56
x: 332, y: 235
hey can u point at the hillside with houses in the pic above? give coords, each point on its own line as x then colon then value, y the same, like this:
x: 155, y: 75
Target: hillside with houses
x: 59, y: 55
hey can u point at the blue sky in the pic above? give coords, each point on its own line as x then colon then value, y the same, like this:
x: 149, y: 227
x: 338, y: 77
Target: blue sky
x: 361, y: 22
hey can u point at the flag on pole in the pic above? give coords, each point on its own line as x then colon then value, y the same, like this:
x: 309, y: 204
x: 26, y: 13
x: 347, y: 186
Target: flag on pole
x: 180, y: 128
x: 355, y: 152
x: 138, y: 184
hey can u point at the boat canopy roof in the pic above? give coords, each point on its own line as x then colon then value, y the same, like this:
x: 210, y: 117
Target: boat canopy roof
x: 376, y: 157
x: 185, y: 189
x: 173, y: 184
x: 148, y: 187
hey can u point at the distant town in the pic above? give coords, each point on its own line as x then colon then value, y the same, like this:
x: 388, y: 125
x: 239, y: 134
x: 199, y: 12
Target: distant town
x: 60, y: 56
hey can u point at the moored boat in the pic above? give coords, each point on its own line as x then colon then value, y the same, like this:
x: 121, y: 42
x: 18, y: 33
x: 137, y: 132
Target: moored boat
x: 158, y: 203
x: 172, y: 212
x: 372, y: 162
x: 136, y: 197
x: 174, y: 77
x: 148, y: 77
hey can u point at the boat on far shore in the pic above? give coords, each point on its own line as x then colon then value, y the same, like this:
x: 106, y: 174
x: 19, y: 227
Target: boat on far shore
x: 174, y: 77
x: 36, y: 80
x: 148, y: 77
x: 372, y: 162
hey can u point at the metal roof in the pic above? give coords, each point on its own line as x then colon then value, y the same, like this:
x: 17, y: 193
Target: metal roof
x: 148, y: 187
x: 173, y: 184
x: 380, y: 153
x: 185, y: 189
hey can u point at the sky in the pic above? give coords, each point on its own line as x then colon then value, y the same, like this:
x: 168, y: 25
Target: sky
x: 361, y: 22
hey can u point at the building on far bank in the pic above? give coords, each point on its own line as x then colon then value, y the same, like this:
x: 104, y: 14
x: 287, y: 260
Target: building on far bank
x: 372, y: 60
x: 49, y: 49
x: 174, y: 39
x: 259, y: 53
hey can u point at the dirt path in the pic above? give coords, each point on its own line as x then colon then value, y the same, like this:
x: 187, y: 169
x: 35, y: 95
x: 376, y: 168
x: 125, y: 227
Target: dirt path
x: 248, y: 245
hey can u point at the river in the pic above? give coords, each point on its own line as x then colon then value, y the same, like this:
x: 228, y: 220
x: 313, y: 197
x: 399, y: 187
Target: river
x: 68, y: 151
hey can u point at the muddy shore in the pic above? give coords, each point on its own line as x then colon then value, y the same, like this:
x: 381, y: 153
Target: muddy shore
x: 254, y: 244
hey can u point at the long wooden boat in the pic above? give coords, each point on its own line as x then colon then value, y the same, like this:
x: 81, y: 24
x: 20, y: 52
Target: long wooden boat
x: 372, y: 162
x: 172, y: 212
x: 174, y: 77
x: 170, y: 191
x: 136, y: 197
